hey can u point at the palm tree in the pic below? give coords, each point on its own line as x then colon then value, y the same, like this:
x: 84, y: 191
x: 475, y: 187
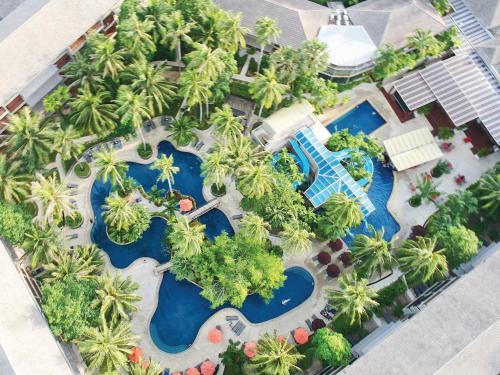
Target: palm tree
x: 195, y: 89
x: 214, y: 168
x: 66, y: 143
x: 92, y: 114
x: 285, y: 61
x: 133, y: 109
x: 313, y: 57
x: 135, y: 37
x: 206, y: 61
x: 296, y: 239
x: 110, y: 167
x: 105, y: 349
x: 489, y: 193
x: 342, y: 212
x: 158, y: 12
x: 62, y: 264
x: 242, y: 151
x: 354, y: 300
x: 14, y: 184
x: 150, y: 81
x: 108, y: 61
x: 374, y: 253
x: 182, y: 130
x: 424, y: 43
x: 143, y: 367
x: 254, y: 228
x: 54, y: 197
x: 233, y: 34
x: 92, y: 256
x: 119, y: 213
x: 226, y: 125
x: 82, y: 73
x: 427, y: 190
x: 116, y: 297
x: 167, y: 169
x: 266, y: 89
x: 421, y: 260
x: 186, y: 238
x: 256, y: 180
x: 40, y: 241
x: 266, y: 32
x: 275, y: 356
x: 177, y: 31
x: 29, y: 138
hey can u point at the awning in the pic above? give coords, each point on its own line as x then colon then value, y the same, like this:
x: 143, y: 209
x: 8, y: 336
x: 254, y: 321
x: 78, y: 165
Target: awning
x: 411, y: 149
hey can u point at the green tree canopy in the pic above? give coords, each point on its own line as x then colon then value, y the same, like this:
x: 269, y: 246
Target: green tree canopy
x: 332, y: 348
x: 460, y: 244
x: 15, y: 221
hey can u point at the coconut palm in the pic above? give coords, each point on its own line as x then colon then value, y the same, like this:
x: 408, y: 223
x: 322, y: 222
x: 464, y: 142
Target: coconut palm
x: 313, y: 57
x: 266, y: 32
x: 254, y: 228
x: 195, y: 89
x: 143, y: 367
x: 372, y: 252
x: 489, y: 193
x: 119, y: 213
x: 214, y: 168
x: 150, y: 81
x: 340, y: 212
x: 421, y: 260
x: 82, y: 73
x: 92, y: 256
x: 242, y: 151
x: 424, y: 43
x: 177, y: 32
x: 54, y: 198
x: 266, y: 89
x: 62, y: 264
x: 28, y: 138
x: 296, y: 239
x: 233, y: 34
x: 427, y: 190
x: 135, y: 37
x: 158, y: 12
x: 133, y: 109
x: 256, y: 180
x: 275, y: 356
x: 354, y: 300
x: 186, y: 238
x: 226, y: 125
x: 286, y: 64
x: 108, y: 61
x: 182, y: 130
x: 92, y: 113
x: 105, y: 349
x: 40, y: 240
x: 116, y: 297
x: 14, y: 184
x: 206, y: 61
x: 66, y: 143
x: 165, y: 164
x: 110, y: 167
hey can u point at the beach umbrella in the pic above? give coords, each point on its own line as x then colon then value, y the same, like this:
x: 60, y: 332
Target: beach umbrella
x: 324, y: 258
x: 317, y: 324
x: 185, y: 205
x: 301, y: 336
x: 192, y: 371
x: 345, y: 257
x: 207, y: 368
x: 281, y: 338
x: 333, y: 270
x: 336, y: 245
x: 136, y: 354
x: 215, y: 336
x: 177, y: 373
x: 250, y: 349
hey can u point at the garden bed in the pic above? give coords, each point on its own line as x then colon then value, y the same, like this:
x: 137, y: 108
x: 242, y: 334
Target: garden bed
x: 75, y: 222
x: 82, y: 169
x: 145, y: 151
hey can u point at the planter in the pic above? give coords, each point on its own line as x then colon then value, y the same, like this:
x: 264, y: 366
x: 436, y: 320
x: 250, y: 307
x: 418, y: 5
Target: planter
x: 218, y: 192
x: 74, y: 223
x: 145, y: 151
x: 82, y: 169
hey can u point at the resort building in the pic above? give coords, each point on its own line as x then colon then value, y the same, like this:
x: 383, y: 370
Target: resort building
x: 453, y: 329
x: 37, y: 38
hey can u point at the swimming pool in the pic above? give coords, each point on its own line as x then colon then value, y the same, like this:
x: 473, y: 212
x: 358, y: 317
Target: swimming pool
x: 188, y: 181
x: 181, y: 311
x: 363, y: 118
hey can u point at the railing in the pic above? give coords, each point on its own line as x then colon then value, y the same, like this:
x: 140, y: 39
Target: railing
x: 203, y: 209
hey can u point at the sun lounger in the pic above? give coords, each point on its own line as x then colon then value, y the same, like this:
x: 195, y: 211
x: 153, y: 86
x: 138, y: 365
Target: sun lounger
x: 200, y: 145
x: 309, y: 324
x: 241, y: 329
x: 71, y: 186
x: 166, y: 120
x: 74, y: 192
x: 237, y: 217
x: 315, y: 258
x: 231, y: 317
x: 153, y: 125
x: 72, y: 236
x: 237, y: 326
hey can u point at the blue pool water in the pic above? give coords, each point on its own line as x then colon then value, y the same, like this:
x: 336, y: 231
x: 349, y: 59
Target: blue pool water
x: 363, y: 118
x: 188, y: 181
x: 181, y: 311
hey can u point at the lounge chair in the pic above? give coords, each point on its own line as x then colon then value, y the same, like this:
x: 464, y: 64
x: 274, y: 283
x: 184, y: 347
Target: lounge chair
x: 153, y: 125
x: 72, y: 186
x: 315, y: 258
x: 231, y: 317
x: 237, y: 326
x: 309, y: 324
x: 166, y: 120
x: 237, y: 217
x: 200, y: 145
x: 72, y: 236
x: 74, y: 192
x: 241, y: 329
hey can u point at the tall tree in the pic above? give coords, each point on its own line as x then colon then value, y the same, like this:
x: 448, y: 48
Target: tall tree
x: 254, y: 228
x: 354, y: 300
x: 340, y: 214
x: 92, y: 113
x: 226, y: 124
x: 275, y: 356
x: 296, y: 239
x: 177, y: 32
x: 54, y: 198
x: 109, y: 61
x: 421, y: 260
x: 135, y: 37
x: 286, y: 62
x: 266, y: 89
x: 489, y: 193
x: 182, y: 130
x: 267, y: 32
x: 159, y: 12
x: 205, y: 61
x: 110, y: 167
x: 424, y: 44
x: 195, y: 89
x: 29, y: 138
x: 14, y: 184
x: 313, y: 57
x: 214, y: 168
x: 165, y: 164
x: 40, y: 241
x: 133, y: 109
x: 256, y: 180
x: 105, y: 349
x: 116, y: 297
x: 186, y: 238
x: 372, y: 252
x: 82, y: 73
x: 233, y: 34
x: 119, y: 213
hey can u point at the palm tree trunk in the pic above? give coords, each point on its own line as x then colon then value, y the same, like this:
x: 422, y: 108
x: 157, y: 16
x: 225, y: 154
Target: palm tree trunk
x: 60, y: 166
x: 201, y: 111
x: 179, y: 54
x: 261, y: 109
x: 142, y: 137
x: 169, y: 186
x: 119, y: 180
x: 260, y: 58
x: 183, y: 105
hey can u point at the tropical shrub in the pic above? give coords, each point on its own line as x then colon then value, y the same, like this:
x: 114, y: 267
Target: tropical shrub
x: 425, y: 109
x: 342, y: 139
x: 445, y: 133
x: 233, y: 358
x: 390, y: 61
x: 415, y: 200
x: 387, y: 295
x: 460, y: 244
x: 442, y: 167
x: 339, y: 214
x: 332, y: 349
x: 442, y: 6
x: 15, y: 221
x: 67, y: 304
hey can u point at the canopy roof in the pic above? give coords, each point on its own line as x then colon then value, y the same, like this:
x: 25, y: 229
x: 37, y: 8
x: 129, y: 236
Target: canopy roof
x: 347, y: 45
x: 411, y: 149
x: 290, y: 117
